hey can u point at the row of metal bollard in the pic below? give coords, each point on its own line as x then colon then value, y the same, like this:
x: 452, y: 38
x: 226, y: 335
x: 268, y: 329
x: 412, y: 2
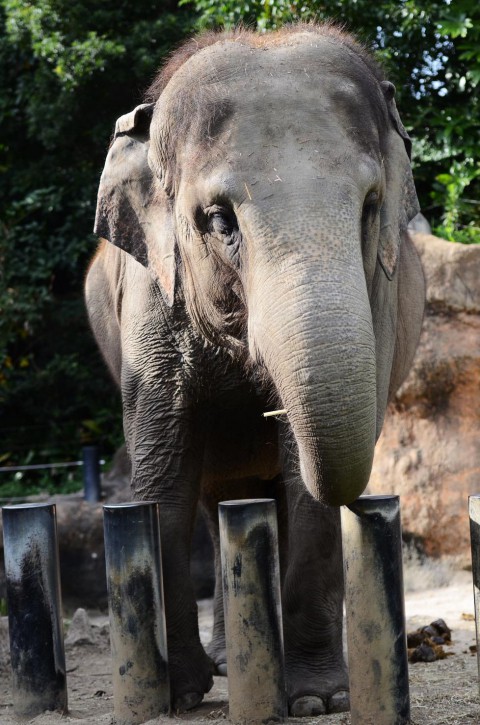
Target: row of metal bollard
x: 376, y: 633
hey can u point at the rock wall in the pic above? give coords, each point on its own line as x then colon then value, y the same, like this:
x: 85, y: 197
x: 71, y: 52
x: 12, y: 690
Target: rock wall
x: 429, y: 450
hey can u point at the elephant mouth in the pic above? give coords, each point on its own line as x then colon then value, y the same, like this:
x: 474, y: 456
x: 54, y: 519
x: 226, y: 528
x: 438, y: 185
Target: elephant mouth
x: 266, y: 390
x: 263, y: 384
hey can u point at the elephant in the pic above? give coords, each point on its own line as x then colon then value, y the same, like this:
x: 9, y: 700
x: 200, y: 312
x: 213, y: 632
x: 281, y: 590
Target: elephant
x: 254, y: 256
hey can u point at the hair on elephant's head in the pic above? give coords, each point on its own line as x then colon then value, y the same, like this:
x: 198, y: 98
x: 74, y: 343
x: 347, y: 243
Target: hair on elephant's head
x: 267, y: 186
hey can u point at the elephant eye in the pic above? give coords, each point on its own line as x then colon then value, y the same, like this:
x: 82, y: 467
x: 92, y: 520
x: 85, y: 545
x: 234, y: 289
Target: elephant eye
x: 371, y: 202
x: 370, y: 208
x: 221, y: 222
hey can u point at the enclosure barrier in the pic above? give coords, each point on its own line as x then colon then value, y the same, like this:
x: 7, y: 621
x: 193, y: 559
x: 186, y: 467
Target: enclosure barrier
x: 252, y: 605
x: 371, y: 534
x: 374, y: 600
x: 141, y: 689
x: 90, y: 462
x: 474, y: 513
x: 34, y: 609
x: 91, y: 474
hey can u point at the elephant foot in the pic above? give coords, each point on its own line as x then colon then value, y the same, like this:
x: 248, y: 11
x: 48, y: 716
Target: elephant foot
x: 339, y: 702
x: 187, y: 701
x: 190, y: 681
x: 307, y: 706
x: 313, y: 705
x: 182, y: 702
x: 317, y: 687
x: 217, y: 653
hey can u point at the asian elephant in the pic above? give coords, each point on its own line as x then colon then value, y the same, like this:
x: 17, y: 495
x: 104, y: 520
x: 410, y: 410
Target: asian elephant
x: 255, y: 209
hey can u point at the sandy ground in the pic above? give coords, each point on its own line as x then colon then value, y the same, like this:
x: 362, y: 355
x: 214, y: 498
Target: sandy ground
x: 441, y: 692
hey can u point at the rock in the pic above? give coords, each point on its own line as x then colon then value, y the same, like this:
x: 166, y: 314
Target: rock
x: 451, y: 271
x: 428, y: 452
x: 80, y: 631
x: 419, y: 224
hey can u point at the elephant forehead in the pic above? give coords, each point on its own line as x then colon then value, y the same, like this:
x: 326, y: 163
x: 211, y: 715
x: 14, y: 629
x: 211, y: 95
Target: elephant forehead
x: 231, y: 100
x: 310, y: 74
x: 283, y: 140
x: 231, y: 61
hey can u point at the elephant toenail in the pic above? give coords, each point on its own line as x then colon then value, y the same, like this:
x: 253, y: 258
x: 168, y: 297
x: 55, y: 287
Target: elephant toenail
x: 339, y: 702
x: 307, y: 706
x: 188, y: 701
x: 221, y: 669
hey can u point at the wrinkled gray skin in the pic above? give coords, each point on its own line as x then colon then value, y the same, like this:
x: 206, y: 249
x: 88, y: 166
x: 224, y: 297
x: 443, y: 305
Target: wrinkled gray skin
x: 266, y: 265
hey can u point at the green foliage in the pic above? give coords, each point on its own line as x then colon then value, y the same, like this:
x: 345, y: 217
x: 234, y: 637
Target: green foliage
x: 54, y: 41
x: 451, y: 189
x: 31, y: 483
x: 67, y: 70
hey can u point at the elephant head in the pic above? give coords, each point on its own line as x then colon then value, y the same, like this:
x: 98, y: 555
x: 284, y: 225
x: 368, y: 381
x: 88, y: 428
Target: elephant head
x: 267, y: 186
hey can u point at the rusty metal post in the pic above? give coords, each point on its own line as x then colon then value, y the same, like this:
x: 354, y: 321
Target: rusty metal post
x: 474, y: 513
x: 253, y: 615
x: 376, y: 635
x: 141, y: 688
x: 34, y: 609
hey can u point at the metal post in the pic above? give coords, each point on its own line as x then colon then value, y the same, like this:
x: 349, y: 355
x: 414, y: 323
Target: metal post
x: 474, y: 513
x: 141, y: 688
x: 376, y: 636
x: 34, y: 609
x: 253, y: 615
x: 91, y: 474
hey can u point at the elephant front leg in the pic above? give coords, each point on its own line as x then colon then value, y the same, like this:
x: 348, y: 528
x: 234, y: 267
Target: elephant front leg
x: 190, y: 668
x: 312, y: 593
x: 166, y: 461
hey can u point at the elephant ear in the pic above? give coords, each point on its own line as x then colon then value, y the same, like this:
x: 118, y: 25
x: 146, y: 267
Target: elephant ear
x: 401, y: 203
x: 411, y: 294
x: 133, y: 212
x: 398, y: 288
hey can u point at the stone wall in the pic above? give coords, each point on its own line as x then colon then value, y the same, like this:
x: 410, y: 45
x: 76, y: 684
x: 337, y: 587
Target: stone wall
x: 429, y: 450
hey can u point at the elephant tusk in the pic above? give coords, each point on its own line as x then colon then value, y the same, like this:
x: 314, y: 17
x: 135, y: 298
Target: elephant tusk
x: 271, y: 413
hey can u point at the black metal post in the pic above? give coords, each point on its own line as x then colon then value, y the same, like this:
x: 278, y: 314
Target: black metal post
x: 91, y: 474
x: 474, y: 513
x: 253, y: 615
x: 141, y: 688
x: 34, y: 609
x: 376, y: 635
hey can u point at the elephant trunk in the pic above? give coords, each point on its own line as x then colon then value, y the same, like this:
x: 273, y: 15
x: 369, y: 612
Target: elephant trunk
x: 312, y: 329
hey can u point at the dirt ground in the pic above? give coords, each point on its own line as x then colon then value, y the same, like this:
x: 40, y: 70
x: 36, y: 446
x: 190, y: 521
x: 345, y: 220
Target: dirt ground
x: 442, y: 692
